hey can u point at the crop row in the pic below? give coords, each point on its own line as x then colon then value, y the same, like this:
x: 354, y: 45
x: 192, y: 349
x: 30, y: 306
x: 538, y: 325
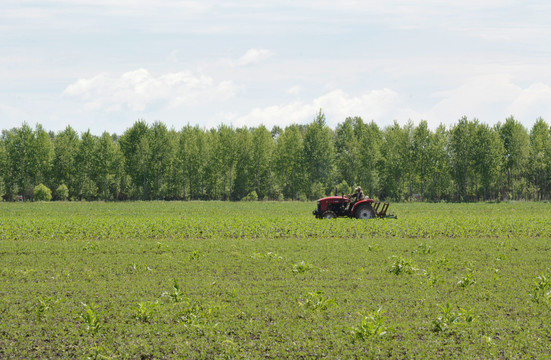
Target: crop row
x: 189, y: 222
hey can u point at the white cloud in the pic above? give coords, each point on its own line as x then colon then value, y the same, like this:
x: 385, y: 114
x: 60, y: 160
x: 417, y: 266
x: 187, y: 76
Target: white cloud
x: 295, y: 90
x: 379, y: 105
x: 137, y: 90
x: 491, y: 99
x: 254, y: 56
x: 533, y: 102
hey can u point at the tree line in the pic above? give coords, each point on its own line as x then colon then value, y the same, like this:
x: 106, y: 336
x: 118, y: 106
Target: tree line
x: 470, y: 161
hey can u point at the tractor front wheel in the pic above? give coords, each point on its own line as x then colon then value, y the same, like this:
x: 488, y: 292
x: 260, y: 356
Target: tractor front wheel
x: 328, y: 215
x: 364, y: 212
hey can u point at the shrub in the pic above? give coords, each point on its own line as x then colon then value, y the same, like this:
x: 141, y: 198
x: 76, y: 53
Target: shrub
x: 42, y: 193
x: 252, y: 196
x: 62, y: 192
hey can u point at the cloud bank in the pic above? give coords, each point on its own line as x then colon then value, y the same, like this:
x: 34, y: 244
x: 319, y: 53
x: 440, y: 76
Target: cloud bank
x: 139, y: 90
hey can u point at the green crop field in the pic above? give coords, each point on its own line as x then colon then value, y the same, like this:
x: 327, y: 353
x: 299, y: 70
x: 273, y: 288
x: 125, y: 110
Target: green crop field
x: 210, y: 280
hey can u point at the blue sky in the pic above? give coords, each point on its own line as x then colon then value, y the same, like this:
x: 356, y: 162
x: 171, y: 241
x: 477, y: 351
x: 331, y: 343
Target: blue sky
x: 103, y: 64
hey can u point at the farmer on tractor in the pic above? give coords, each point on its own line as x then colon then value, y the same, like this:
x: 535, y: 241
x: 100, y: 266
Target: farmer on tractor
x: 355, y: 197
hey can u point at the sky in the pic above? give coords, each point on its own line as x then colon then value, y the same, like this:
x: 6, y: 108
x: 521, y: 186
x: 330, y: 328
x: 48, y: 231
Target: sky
x: 101, y: 65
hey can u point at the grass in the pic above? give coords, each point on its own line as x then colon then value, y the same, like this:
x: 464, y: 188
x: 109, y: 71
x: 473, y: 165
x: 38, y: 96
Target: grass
x: 257, y: 280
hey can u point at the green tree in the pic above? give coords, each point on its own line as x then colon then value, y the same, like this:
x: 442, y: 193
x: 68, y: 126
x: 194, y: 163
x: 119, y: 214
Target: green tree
x: 161, y: 157
x: 439, y: 166
x: 462, y: 155
x: 422, y: 153
x: 260, y: 168
x: 243, y: 179
x: 540, y: 157
x: 105, y: 165
x: 288, y: 161
x: 134, y: 144
x: 43, y: 151
x: 86, y: 187
x: 319, y: 153
x: 3, y: 166
x: 369, y: 147
x: 488, y: 150
x: 211, y: 165
x: 20, y: 161
x: 66, y: 144
x: 516, y: 143
x: 393, y: 163
x: 190, y: 160
x: 225, y: 151
x: 408, y: 154
x: 347, y: 152
x: 171, y: 175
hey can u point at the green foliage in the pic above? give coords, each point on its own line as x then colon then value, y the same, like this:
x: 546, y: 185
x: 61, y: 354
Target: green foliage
x: 373, y: 325
x: 91, y: 318
x: 422, y: 248
x: 401, y: 266
x: 467, y: 279
x: 541, y: 290
x: 343, y: 187
x: 270, y: 255
x: 145, y: 310
x: 176, y: 295
x: 251, y: 196
x: 195, y: 255
x: 302, y: 267
x: 97, y: 353
x: 62, y: 192
x: 444, y: 262
x: 317, y: 190
x: 42, y: 193
x: 45, y: 305
x: 198, y: 315
x: 450, y: 319
x: 318, y: 153
x: 469, y: 161
x: 316, y: 301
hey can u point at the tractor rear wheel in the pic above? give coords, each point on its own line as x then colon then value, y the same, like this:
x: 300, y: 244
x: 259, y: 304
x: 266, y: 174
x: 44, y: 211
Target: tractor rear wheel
x: 364, y: 212
x: 328, y: 215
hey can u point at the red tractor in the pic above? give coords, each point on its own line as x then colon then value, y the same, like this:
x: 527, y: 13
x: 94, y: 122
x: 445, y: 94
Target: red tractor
x: 336, y: 206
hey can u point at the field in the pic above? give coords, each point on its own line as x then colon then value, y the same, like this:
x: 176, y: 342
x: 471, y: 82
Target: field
x: 267, y: 280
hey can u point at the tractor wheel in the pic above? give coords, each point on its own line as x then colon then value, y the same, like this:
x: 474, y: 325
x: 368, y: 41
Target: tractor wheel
x: 364, y: 212
x: 328, y: 215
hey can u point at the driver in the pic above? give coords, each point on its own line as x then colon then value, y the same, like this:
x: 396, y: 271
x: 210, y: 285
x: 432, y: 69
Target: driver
x: 356, y: 196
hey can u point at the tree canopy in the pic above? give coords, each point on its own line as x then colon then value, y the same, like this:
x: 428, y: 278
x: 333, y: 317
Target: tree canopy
x: 469, y: 161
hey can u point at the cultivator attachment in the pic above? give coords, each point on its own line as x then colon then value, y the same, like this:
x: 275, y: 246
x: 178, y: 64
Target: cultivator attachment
x: 382, y: 212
